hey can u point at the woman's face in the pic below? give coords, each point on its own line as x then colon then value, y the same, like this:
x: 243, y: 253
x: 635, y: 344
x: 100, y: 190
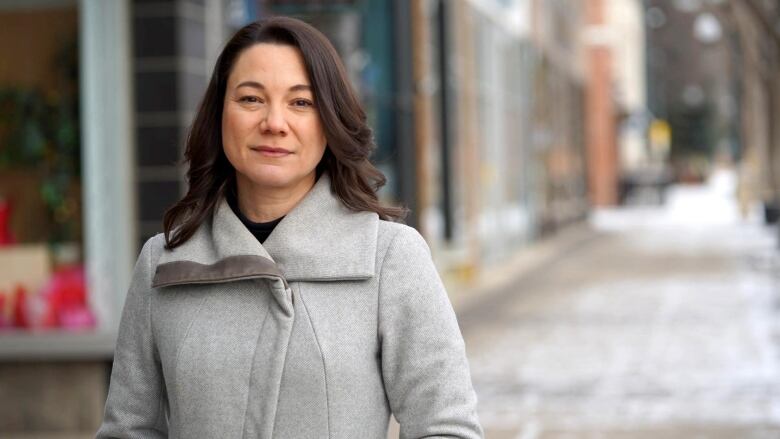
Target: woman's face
x: 271, y: 128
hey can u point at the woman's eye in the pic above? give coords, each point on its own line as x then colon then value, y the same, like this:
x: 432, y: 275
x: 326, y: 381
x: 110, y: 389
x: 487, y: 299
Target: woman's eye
x: 249, y: 99
x: 302, y: 103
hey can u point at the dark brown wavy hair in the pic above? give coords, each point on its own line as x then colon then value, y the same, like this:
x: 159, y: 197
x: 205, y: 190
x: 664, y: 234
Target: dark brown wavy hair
x: 354, y: 179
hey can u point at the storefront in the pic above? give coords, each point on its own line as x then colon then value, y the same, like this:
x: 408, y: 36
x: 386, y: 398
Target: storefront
x: 66, y: 212
x: 96, y: 99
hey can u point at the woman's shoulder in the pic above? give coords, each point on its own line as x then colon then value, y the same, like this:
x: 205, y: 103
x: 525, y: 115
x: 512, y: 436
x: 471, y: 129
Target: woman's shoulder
x: 398, y: 238
x: 153, y: 248
x: 404, y: 259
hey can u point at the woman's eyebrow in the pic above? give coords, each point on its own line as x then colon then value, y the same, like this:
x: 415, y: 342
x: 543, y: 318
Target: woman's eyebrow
x: 252, y: 84
x: 259, y: 86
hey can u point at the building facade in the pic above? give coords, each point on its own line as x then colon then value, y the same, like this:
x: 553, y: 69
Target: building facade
x: 480, y: 117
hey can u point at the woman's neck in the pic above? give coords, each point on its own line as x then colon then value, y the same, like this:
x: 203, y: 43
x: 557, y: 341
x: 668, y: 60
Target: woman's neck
x: 264, y: 204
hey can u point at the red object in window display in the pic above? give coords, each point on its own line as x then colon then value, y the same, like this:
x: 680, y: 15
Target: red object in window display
x: 66, y: 298
x: 5, y: 322
x: 20, y: 308
x: 6, y: 238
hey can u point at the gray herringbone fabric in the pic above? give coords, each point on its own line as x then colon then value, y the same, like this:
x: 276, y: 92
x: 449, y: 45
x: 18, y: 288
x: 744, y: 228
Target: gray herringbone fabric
x: 337, y: 321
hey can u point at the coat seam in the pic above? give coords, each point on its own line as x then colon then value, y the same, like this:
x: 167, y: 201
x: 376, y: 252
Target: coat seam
x: 252, y: 369
x: 155, y: 353
x: 281, y: 376
x: 187, y: 332
x: 322, y: 355
x: 379, y: 290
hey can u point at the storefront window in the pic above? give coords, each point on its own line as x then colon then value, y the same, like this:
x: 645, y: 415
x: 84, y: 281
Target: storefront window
x: 42, y: 280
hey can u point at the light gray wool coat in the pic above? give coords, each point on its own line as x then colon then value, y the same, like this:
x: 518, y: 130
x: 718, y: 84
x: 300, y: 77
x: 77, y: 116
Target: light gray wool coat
x: 336, y: 321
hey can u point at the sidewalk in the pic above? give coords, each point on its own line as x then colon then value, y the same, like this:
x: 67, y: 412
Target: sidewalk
x: 492, y: 281
x: 659, y: 322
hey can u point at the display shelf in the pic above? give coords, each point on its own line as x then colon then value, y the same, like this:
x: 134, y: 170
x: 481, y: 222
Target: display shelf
x: 17, y: 345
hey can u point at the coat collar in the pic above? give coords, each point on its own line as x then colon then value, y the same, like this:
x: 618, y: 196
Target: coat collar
x: 319, y: 240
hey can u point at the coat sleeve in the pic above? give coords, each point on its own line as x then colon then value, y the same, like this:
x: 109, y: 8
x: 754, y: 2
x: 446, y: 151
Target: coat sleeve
x: 423, y: 358
x: 136, y: 398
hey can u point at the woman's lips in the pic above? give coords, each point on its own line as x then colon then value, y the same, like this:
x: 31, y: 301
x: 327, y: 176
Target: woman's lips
x: 269, y: 151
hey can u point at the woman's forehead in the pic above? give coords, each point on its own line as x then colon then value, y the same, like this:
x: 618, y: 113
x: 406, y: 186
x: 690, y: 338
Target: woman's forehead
x: 271, y: 65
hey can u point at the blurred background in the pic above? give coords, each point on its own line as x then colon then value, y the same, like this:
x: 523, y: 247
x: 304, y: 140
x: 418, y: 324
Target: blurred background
x: 598, y: 180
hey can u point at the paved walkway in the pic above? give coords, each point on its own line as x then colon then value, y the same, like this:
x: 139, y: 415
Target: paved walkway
x: 664, y: 323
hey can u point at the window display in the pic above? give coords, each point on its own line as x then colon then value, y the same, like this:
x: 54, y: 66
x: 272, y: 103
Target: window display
x: 42, y: 281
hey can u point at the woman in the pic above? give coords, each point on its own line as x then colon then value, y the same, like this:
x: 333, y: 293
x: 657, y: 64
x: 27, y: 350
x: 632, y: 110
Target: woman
x: 320, y: 328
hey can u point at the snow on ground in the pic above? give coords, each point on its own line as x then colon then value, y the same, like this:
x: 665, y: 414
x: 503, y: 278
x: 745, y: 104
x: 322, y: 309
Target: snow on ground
x: 669, y: 318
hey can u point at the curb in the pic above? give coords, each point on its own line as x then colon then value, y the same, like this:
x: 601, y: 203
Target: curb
x: 492, y: 281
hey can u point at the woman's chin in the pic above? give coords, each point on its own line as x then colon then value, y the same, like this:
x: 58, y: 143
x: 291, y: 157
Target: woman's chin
x: 276, y: 178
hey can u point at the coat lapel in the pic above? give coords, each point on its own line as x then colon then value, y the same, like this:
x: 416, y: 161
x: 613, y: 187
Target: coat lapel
x: 221, y: 250
x: 322, y: 240
x: 319, y: 240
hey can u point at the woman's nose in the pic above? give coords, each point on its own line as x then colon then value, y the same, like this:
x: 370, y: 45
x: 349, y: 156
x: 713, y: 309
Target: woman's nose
x: 274, y: 121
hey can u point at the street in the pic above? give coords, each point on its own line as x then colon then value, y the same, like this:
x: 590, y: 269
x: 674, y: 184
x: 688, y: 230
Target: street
x: 663, y: 323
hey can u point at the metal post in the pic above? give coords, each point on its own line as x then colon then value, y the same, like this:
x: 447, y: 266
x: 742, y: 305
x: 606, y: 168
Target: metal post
x: 406, y: 163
